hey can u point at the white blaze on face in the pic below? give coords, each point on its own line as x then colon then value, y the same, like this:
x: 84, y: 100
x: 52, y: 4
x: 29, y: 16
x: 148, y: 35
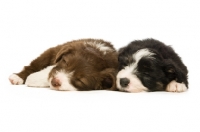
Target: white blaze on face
x: 64, y: 79
x: 128, y: 72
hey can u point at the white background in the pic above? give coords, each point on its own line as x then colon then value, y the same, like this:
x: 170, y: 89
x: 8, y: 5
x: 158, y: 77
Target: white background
x: 28, y: 27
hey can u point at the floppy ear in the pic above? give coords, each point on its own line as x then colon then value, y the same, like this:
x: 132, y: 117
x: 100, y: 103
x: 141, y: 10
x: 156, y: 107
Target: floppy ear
x: 63, y: 51
x: 109, y: 78
x: 173, y: 72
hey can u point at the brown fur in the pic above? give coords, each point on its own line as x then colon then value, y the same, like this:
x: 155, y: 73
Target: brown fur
x: 92, y: 69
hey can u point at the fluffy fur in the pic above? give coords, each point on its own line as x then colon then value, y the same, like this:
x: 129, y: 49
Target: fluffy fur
x: 150, y: 65
x: 86, y: 64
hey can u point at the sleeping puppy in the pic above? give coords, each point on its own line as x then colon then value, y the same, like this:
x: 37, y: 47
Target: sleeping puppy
x: 86, y: 64
x: 150, y: 65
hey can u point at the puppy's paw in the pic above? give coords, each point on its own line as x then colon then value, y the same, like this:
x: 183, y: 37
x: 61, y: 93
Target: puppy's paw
x: 15, y: 79
x: 174, y: 86
x: 37, y: 80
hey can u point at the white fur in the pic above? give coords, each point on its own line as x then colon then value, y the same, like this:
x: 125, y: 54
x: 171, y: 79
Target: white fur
x: 135, y: 84
x: 101, y: 46
x: 40, y: 78
x: 15, y: 79
x: 139, y: 54
x: 64, y: 78
x: 174, y: 86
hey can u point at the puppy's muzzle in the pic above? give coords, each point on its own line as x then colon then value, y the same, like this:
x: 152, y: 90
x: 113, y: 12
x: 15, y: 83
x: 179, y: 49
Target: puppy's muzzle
x: 124, y: 82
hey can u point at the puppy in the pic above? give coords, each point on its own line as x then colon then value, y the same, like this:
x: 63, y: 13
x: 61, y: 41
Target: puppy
x: 86, y: 64
x: 150, y: 65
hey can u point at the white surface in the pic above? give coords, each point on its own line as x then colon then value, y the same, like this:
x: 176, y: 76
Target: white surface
x: 27, y: 28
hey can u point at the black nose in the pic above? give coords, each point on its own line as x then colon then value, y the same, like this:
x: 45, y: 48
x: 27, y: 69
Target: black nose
x: 124, y: 82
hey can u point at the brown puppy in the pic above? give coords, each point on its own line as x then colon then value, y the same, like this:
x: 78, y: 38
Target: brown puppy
x: 86, y: 64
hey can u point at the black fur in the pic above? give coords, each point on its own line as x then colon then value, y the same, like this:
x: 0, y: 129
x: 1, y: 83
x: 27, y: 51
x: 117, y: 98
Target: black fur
x: 155, y: 74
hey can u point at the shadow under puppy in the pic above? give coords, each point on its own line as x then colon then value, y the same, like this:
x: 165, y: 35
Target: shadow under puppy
x: 150, y: 65
x: 85, y: 64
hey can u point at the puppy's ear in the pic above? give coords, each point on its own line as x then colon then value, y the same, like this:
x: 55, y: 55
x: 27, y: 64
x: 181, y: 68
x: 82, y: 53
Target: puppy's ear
x: 173, y: 72
x: 63, y: 51
x: 108, y: 78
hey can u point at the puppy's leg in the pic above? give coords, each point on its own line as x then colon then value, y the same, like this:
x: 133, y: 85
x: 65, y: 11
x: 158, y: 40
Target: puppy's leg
x: 177, y: 76
x: 44, y: 60
x: 174, y: 86
x: 39, y: 79
x: 15, y: 79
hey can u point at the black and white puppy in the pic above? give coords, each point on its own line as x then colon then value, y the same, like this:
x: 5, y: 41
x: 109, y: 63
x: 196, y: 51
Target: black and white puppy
x: 150, y: 65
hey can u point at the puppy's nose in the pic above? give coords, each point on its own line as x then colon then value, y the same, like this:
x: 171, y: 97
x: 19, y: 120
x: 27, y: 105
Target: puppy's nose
x: 55, y: 82
x: 124, y: 82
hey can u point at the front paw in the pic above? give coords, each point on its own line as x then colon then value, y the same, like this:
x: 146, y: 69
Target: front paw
x: 36, y: 80
x: 174, y: 86
x: 15, y: 79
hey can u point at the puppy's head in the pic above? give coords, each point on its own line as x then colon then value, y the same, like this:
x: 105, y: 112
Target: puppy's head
x: 145, y: 70
x: 80, y: 67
